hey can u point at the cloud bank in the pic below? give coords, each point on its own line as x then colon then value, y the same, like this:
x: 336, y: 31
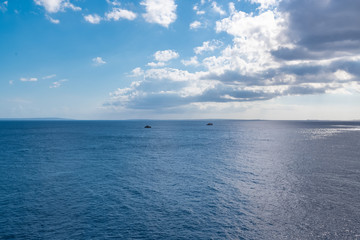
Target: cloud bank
x: 283, y: 49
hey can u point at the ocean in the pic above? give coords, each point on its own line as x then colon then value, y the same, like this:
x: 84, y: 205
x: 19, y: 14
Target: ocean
x: 179, y: 180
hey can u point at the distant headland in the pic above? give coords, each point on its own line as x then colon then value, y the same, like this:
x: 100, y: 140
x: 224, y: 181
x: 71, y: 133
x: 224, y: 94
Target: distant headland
x: 34, y: 119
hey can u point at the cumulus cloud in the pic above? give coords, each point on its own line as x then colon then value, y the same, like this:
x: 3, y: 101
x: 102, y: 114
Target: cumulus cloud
x: 166, y: 55
x: 192, y: 62
x: 217, y: 8
x: 208, y: 46
x: 54, y: 6
x: 167, y: 88
x: 93, y: 18
x: 162, y: 57
x: 136, y: 72
x: 195, y: 25
x: 343, y: 75
x: 198, y: 11
x: 98, y: 61
x: 254, y: 39
x: 162, y: 12
x: 32, y: 79
x: 265, y: 4
x: 115, y: 14
x: 118, y: 13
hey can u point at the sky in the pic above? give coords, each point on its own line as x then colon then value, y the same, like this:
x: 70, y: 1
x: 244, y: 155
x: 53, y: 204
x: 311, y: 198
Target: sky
x: 180, y: 59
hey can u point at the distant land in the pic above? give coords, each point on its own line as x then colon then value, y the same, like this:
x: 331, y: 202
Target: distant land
x: 34, y: 119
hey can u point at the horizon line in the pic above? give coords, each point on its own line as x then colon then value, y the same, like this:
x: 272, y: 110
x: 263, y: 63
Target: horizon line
x: 180, y: 119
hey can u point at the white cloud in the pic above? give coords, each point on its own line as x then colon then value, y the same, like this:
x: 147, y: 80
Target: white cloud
x: 98, y: 61
x: 174, y: 86
x: 162, y: 57
x: 208, y: 46
x: 58, y: 83
x: 118, y: 13
x: 28, y: 79
x: 115, y: 14
x: 192, y: 62
x: 166, y: 55
x: 198, y: 11
x: 49, y: 76
x: 255, y: 37
x: 156, y: 64
x: 173, y: 74
x: 67, y: 4
x: 11, y: 82
x: 343, y: 75
x: 93, y: 18
x: 136, y: 72
x: 124, y: 95
x: 113, y: 3
x: 217, y: 9
x: 195, y: 25
x: 162, y: 12
x: 265, y: 4
x: 54, y: 6
x: 55, y: 21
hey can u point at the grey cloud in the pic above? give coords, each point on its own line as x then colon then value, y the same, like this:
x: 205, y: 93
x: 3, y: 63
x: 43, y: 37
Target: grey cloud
x: 323, y: 25
x: 353, y: 67
x: 301, y: 53
x: 260, y: 79
x: 304, y: 73
x: 161, y: 100
x: 305, y: 90
x: 160, y: 85
x: 217, y: 95
x: 221, y: 94
x: 157, y: 101
x: 302, y: 70
x: 233, y: 76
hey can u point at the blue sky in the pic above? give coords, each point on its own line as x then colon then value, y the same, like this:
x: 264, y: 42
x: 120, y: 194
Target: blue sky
x: 167, y: 59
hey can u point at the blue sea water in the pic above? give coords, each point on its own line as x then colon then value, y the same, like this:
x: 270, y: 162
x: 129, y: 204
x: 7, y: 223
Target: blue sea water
x: 179, y: 180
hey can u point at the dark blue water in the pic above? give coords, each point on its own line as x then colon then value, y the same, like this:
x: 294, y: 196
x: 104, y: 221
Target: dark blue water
x: 179, y: 180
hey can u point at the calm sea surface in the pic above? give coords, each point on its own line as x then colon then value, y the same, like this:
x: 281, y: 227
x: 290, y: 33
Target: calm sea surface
x: 179, y: 180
